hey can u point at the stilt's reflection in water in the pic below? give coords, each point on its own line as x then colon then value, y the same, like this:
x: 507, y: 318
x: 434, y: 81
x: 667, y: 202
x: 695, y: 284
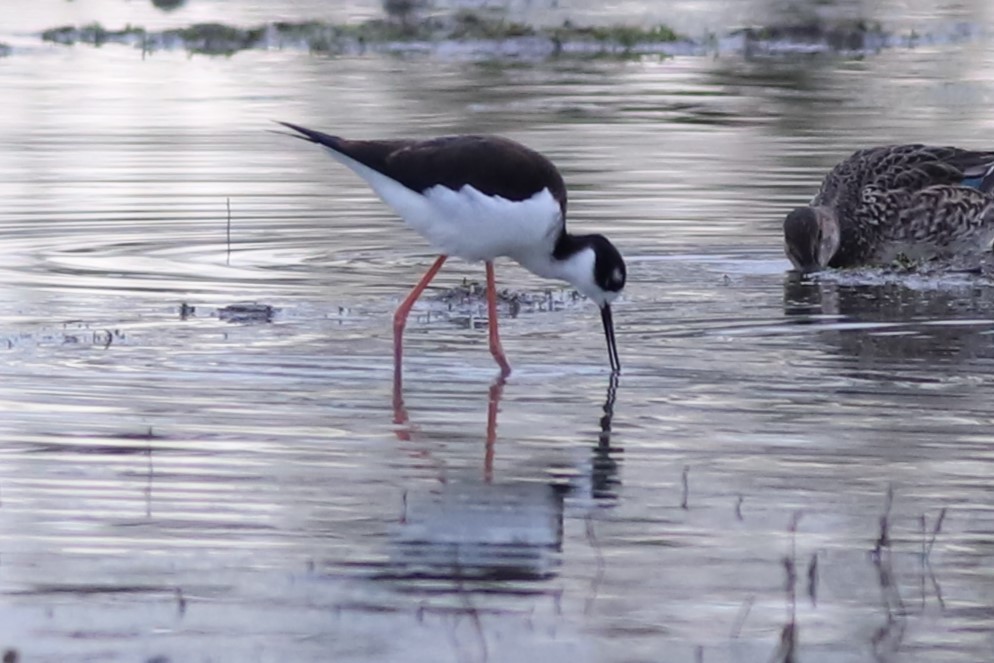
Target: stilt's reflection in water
x: 496, y: 530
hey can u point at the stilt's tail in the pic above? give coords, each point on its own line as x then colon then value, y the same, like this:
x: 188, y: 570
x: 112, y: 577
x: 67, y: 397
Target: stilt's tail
x: 319, y: 137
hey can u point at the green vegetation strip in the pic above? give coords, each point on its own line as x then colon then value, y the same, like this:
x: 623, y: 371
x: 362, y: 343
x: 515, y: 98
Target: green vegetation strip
x: 482, y: 33
x: 462, y: 27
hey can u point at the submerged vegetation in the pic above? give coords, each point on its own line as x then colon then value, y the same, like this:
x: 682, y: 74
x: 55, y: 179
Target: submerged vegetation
x: 467, y: 33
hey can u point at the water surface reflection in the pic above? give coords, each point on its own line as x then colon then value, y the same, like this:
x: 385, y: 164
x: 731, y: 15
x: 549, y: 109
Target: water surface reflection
x: 174, y: 484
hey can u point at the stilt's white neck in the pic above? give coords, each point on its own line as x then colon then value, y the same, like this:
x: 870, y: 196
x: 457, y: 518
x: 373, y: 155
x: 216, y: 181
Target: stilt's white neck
x: 576, y: 268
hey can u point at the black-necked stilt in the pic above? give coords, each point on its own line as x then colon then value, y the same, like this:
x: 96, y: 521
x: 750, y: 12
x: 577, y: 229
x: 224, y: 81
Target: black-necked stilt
x: 480, y: 197
x: 919, y: 201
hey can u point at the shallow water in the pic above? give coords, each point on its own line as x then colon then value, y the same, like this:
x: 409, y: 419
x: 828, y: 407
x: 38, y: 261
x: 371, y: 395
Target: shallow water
x: 176, y: 485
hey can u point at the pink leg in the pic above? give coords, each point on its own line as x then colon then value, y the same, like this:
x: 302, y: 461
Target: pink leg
x: 493, y: 405
x: 400, y: 320
x: 495, y: 349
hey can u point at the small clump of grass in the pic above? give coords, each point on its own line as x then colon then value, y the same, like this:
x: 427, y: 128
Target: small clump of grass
x: 93, y: 33
x: 316, y: 36
x: 468, y: 24
x: 385, y: 31
x: 629, y: 36
x: 837, y: 35
x: 626, y: 36
x: 217, y: 38
x: 64, y: 34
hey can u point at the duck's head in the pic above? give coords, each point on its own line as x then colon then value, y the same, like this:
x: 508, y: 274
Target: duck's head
x: 811, y: 238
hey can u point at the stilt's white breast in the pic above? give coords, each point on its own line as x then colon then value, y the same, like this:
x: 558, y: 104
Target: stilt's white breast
x: 475, y: 226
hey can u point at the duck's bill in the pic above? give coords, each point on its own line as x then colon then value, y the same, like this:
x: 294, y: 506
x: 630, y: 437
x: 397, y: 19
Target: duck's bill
x: 612, y: 346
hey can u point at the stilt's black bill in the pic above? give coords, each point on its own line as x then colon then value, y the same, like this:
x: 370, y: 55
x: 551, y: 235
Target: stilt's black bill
x: 612, y: 346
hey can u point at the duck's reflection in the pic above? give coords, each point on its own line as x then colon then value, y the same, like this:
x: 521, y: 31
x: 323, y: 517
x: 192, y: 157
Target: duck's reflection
x: 491, y: 529
x: 892, y: 321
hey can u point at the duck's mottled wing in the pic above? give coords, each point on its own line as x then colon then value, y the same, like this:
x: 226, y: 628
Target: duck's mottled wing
x: 843, y: 184
x: 926, y: 166
x: 946, y: 216
x: 910, y: 167
x: 977, y: 169
x: 915, y: 177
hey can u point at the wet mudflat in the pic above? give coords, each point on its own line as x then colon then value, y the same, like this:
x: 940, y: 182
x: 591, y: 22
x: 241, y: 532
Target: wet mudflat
x: 785, y: 470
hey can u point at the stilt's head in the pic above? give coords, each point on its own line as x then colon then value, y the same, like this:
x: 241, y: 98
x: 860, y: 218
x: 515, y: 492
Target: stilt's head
x: 811, y: 237
x: 595, y: 267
